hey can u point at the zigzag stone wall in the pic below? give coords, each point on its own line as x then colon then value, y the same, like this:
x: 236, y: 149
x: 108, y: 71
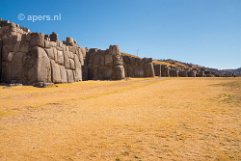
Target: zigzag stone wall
x: 29, y: 58
x: 111, y: 64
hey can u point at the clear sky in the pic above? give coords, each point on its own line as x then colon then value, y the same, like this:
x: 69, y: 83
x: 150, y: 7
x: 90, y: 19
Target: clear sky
x: 205, y: 32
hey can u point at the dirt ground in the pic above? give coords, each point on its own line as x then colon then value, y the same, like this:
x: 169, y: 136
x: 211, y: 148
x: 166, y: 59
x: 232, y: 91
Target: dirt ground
x: 138, y: 119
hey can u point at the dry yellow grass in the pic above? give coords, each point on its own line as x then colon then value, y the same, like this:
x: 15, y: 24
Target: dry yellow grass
x: 137, y: 119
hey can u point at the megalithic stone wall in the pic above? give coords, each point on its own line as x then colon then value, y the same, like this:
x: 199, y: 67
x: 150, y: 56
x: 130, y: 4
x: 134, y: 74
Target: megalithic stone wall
x: 111, y: 64
x: 192, y: 73
x: 183, y: 73
x: 174, y: 72
x: 28, y: 58
x: 165, y: 71
x: 138, y: 67
x: 118, y: 65
x: 105, y: 64
x: 1, y: 45
x: 32, y: 57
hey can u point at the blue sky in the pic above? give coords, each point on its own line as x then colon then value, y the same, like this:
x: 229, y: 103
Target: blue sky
x: 205, y: 32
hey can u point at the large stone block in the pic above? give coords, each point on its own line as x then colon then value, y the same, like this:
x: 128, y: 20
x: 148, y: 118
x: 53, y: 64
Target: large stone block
x: 16, y: 67
x: 30, y: 68
x: 24, y: 44
x: 107, y: 73
x: 47, y: 43
x: 1, y: 45
x: 70, y: 75
x: 174, y: 72
x: 149, y: 70
x: 12, y: 41
x: 130, y: 71
x: 37, y: 39
x: 183, y: 73
x: 117, y: 59
x: 72, y: 64
x: 165, y: 71
x: 56, y: 73
x: 50, y: 53
x: 66, y: 61
x: 118, y: 72
x: 96, y: 60
x: 78, y: 69
x: 43, y: 65
x: 60, y: 58
x: 13, y: 68
x: 192, y: 73
x: 63, y: 74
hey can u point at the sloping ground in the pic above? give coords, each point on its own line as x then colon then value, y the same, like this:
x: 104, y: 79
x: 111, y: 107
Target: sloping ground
x: 137, y: 119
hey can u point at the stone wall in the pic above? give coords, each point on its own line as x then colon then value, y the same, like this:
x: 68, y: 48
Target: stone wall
x: 165, y: 71
x: 157, y: 69
x: 105, y: 64
x: 192, y: 73
x: 111, y: 64
x: 174, y: 72
x: 1, y: 60
x: 138, y: 67
x: 183, y: 73
x: 29, y: 58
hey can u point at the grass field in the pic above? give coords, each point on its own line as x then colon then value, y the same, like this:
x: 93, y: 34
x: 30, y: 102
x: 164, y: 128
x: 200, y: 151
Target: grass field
x: 196, y: 119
